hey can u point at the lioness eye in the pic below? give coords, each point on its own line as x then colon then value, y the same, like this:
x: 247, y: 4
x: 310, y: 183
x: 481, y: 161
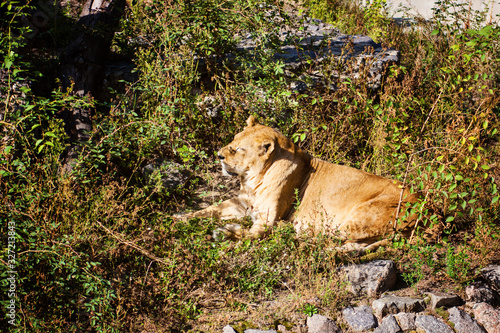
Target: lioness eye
x: 240, y: 149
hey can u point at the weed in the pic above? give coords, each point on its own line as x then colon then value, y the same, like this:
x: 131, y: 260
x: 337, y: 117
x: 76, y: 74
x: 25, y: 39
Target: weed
x: 309, y: 309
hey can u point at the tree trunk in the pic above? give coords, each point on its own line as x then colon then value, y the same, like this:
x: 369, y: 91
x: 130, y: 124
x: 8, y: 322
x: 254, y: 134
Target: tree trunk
x: 82, y: 63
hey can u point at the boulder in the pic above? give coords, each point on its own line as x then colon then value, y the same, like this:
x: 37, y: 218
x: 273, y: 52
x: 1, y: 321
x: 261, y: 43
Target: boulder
x: 481, y: 293
x: 491, y: 274
x: 360, y: 318
x: 305, y: 41
x: 394, y: 304
x: 166, y: 173
x: 439, y: 299
x: 321, y: 324
x: 406, y: 321
x: 371, y: 278
x: 463, y: 323
x: 228, y: 329
x: 388, y: 325
x: 431, y: 324
x: 487, y: 316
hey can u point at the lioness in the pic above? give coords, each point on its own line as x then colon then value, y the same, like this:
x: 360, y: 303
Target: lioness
x: 280, y: 181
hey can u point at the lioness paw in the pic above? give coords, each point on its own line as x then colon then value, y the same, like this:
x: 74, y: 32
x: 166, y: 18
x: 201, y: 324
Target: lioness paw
x: 229, y: 231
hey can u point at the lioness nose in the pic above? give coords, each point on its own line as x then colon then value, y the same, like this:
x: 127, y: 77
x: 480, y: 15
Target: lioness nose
x: 219, y: 155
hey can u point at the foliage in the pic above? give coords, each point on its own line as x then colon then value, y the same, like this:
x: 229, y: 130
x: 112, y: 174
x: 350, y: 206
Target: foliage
x: 96, y: 246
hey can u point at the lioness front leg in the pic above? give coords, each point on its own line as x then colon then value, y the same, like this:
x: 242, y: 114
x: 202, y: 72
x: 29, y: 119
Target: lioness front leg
x: 229, y: 209
x: 264, y: 219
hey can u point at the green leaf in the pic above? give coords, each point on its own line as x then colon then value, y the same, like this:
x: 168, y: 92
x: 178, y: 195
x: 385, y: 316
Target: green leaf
x: 7, y: 149
x: 434, y: 32
x: 495, y: 199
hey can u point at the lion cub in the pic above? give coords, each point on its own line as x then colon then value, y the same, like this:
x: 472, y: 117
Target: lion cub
x: 356, y: 206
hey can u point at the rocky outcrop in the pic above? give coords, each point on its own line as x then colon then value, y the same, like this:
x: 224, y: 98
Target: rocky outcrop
x: 307, y: 42
x: 391, y: 313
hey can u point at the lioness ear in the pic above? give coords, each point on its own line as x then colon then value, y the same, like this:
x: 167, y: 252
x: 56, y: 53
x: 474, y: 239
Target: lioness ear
x: 267, y: 147
x: 251, y: 121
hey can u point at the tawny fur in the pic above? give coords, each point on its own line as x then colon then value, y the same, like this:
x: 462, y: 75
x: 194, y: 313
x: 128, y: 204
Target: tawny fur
x: 280, y: 181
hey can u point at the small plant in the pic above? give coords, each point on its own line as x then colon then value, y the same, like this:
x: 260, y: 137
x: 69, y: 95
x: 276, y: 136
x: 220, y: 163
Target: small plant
x: 458, y: 263
x: 309, y: 309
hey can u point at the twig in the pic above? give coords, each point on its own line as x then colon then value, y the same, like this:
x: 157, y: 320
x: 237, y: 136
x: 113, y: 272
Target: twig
x: 416, y: 223
x: 145, y: 279
x: 120, y: 239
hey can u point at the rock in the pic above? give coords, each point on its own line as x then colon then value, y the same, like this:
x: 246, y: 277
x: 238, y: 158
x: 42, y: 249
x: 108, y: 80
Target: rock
x: 406, y: 321
x: 228, y: 329
x: 394, y: 304
x: 431, y: 324
x: 360, y: 318
x: 439, y: 299
x: 463, y: 323
x: 388, y: 325
x: 299, y: 86
x: 481, y: 293
x: 210, y: 106
x: 491, y: 274
x: 167, y: 173
x: 321, y: 324
x: 372, y: 278
x: 487, y: 316
x: 311, y: 39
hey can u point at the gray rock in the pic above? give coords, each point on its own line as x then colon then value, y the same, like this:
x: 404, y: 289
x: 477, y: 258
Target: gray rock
x: 360, y: 318
x: 406, y: 321
x: 388, y: 325
x: 394, y: 304
x: 491, y: 274
x: 481, y: 293
x: 321, y: 324
x: 372, y: 278
x: 487, y: 316
x: 463, y: 323
x: 228, y: 329
x: 439, y: 299
x: 166, y: 173
x: 299, y: 86
x: 317, y: 41
x: 281, y: 328
x: 431, y: 324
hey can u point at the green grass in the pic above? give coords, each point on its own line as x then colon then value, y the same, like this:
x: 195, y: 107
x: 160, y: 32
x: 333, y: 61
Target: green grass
x: 97, y: 248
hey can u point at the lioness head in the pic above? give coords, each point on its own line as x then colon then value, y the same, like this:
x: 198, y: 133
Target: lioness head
x: 251, y: 151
